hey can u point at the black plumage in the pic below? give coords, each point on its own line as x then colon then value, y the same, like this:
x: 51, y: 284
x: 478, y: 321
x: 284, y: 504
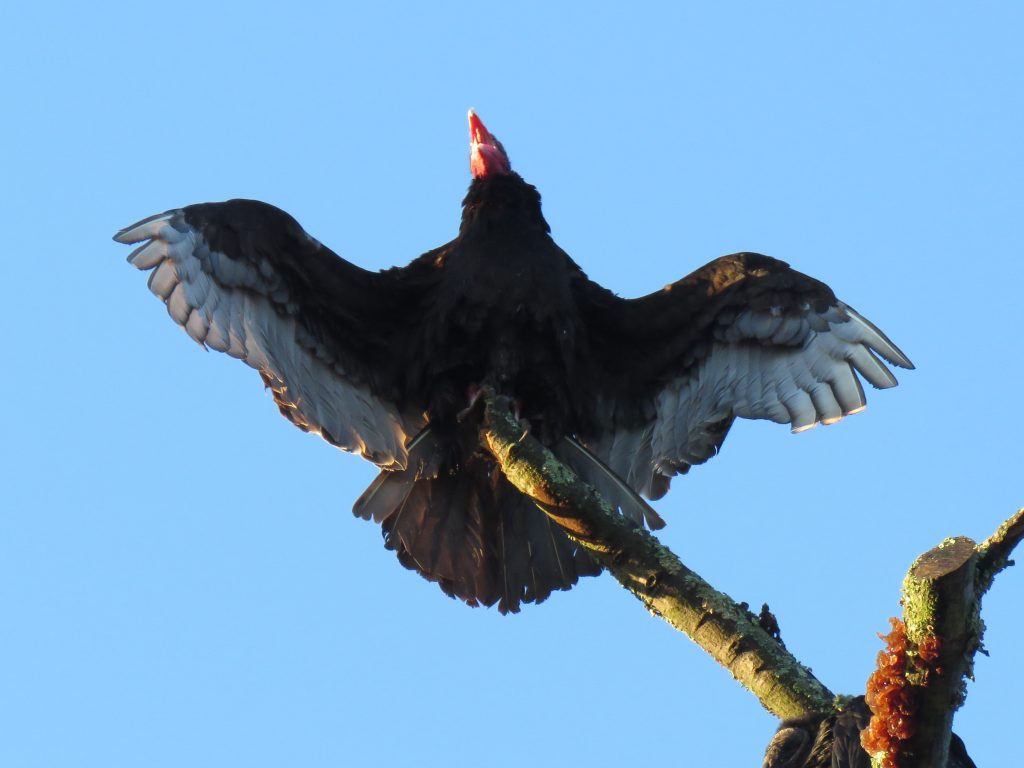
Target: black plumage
x: 833, y: 741
x: 628, y: 392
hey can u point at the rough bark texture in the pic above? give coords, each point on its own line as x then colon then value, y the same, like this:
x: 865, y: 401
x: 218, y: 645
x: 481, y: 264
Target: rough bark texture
x: 649, y: 570
x: 941, y: 600
x: 940, y: 633
x: 996, y: 549
x: 940, y: 609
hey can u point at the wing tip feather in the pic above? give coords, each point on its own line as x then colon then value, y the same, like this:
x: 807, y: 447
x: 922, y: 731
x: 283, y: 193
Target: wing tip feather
x: 140, y: 230
x: 879, y: 342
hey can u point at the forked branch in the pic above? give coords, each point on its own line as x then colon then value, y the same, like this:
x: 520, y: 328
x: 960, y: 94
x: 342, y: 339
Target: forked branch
x: 921, y: 677
x: 937, y: 640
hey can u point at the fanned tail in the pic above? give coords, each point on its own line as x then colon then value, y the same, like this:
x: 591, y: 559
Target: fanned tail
x: 390, y: 489
x: 470, y: 531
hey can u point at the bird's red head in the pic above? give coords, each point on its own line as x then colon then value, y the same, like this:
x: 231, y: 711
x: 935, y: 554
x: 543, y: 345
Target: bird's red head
x: 486, y: 155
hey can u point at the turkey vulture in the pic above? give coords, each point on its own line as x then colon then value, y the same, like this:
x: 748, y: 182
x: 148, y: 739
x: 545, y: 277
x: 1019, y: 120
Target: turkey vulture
x: 629, y: 392
x: 833, y: 741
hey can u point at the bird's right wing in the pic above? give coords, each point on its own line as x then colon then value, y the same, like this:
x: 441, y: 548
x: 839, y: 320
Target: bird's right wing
x: 243, y: 277
x: 744, y: 336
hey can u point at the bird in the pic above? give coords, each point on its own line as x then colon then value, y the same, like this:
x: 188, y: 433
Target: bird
x: 628, y: 392
x: 832, y: 740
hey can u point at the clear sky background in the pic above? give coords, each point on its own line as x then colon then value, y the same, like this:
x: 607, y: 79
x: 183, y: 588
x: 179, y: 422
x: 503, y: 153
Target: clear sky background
x: 181, y: 580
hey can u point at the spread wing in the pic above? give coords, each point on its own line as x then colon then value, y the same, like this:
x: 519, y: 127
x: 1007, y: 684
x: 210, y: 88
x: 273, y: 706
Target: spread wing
x: 744, y: 336
x: 243, y: 277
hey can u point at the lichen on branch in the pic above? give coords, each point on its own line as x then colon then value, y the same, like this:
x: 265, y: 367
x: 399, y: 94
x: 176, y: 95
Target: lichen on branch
x: 727, y: 631
x: 921, y: 676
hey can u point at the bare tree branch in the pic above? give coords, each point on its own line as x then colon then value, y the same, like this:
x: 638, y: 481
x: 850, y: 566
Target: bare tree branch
x: 648, y: 569
x: 941, y: 610
x: 996, y: 549
x: 921, y: 677
x: 927, y: 661
x: 919, y: 682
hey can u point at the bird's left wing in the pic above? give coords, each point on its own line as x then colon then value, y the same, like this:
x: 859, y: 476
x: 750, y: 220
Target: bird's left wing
x: 744, y: 336
x: 243, y: 277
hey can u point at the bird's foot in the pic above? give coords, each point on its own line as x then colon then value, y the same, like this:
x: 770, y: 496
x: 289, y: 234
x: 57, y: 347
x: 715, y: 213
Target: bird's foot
x: 475, y: 409
x: 477, y: 401
x: 517, y: 411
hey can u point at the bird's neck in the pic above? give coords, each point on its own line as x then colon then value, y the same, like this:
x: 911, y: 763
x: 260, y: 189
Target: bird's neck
x: 502, y: 203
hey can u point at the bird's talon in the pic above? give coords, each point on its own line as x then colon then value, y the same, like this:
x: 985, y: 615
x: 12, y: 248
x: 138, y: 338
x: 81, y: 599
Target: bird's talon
x: 476, y: 404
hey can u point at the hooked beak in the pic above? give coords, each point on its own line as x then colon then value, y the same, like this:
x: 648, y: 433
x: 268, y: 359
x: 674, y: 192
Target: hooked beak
x: 486, y: 155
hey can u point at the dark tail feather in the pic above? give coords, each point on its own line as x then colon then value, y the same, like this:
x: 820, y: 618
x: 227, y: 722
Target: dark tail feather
x: 389, y: 490
x: 612, y: 487
x: 470, y: 531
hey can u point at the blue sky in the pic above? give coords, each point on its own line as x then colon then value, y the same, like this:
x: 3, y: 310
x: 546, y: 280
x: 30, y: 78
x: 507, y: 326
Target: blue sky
x: 181, y: 580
